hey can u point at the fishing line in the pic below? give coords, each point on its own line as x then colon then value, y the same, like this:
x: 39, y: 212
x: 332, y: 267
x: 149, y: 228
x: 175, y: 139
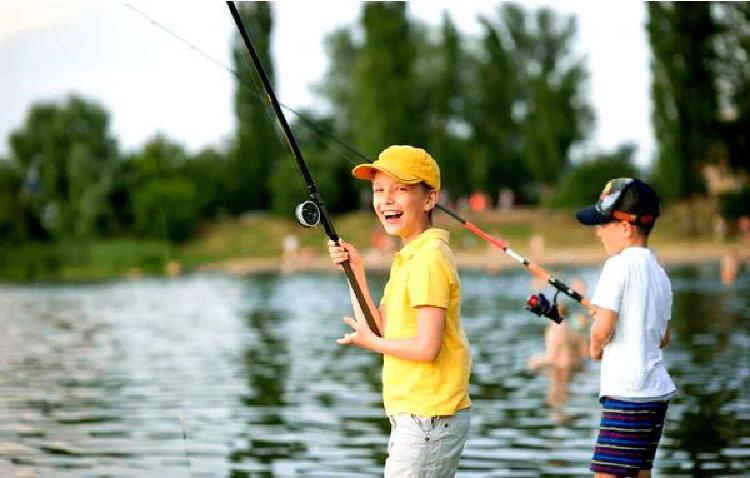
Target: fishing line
x: 183, y: 422
x: 255, y: 90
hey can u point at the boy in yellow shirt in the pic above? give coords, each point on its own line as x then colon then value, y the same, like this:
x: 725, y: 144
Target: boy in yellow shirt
x: 426, y: 359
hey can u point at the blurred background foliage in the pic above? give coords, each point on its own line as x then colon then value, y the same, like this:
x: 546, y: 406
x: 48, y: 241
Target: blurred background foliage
x: 504, y: 111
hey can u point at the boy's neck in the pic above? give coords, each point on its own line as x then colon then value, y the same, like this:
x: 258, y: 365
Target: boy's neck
x: 418, y: 233
x: 636, y: 241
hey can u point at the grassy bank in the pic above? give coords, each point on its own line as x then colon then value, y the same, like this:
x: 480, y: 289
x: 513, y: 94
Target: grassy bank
x: 96, y: 260
x: 545, y: 236
x: 254, y: 242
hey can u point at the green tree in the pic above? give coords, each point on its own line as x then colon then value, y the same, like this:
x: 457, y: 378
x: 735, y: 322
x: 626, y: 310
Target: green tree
x: 163, y: 200
x: 582, y: 183
x: 337, y: 86
x: 69, y: 159
x: 204, y: 170
x: 376, y: 96
x: 383, y: 88
x: 530, y: 108
x: 257, y: 146
x: 496, y: 133
x: 684, y: 94
x: 556, y: 114
x: 443, y: 82
x: 329, y: 163
x: 17, y: 224
x: 733, y: 73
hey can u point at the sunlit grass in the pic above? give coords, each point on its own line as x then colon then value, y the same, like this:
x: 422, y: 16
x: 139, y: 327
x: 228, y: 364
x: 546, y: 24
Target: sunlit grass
x: 258, y: 237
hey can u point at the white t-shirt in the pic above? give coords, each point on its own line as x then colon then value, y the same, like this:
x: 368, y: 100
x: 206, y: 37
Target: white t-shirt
x: 634, y: 285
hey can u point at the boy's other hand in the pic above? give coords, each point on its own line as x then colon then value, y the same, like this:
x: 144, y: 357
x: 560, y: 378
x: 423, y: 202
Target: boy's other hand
x: 361, y: 337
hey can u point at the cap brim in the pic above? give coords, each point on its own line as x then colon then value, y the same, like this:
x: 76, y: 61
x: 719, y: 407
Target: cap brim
x: 367, y: 172
x: 589, y: 216
x: 363, y: 171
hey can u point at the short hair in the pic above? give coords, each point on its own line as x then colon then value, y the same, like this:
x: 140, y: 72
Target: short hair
x: 645, y: 229
x: 426, y: 189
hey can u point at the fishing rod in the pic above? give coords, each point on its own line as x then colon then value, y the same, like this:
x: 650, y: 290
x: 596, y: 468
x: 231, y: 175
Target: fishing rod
x: 536, y: 303
x: 313, y: 211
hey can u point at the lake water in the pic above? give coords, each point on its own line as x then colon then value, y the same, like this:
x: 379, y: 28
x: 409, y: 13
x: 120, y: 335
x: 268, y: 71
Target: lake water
x: 225, y: 377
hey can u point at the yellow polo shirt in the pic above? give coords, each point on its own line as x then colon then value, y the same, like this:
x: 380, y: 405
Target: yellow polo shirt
x: 424, y: 274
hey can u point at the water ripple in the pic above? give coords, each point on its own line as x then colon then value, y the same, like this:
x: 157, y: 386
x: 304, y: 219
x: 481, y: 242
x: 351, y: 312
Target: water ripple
x: 220, y: 377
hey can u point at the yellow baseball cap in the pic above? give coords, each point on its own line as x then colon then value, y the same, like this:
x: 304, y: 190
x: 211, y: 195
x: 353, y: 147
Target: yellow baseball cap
x: 407, y: 164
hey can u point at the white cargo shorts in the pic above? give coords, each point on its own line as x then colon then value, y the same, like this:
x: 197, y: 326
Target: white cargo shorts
x: 426, y: 447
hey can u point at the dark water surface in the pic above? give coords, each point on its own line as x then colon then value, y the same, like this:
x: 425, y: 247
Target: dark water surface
x: 224, y: 377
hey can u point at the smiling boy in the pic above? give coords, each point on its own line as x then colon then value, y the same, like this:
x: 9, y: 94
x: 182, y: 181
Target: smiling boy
x: 631, y: 307
x: 426, y: 359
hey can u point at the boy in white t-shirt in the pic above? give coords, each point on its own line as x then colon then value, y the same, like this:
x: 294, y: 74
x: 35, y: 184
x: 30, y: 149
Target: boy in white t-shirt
x: 631, y: 307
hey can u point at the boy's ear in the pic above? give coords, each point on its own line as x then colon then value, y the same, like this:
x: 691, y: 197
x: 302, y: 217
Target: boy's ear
x: 630, y: 229
x: 431, y: 199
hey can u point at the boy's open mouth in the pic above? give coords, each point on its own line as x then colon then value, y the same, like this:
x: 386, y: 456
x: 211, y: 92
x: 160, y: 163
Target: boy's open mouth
x: 392, y: 215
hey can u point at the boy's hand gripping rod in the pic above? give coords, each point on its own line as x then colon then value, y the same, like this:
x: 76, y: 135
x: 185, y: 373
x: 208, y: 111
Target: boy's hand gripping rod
x: 312, y: 211
x: 538, y: 305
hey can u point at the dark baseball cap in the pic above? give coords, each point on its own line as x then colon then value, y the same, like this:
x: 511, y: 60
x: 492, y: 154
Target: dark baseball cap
x: 623, y: 199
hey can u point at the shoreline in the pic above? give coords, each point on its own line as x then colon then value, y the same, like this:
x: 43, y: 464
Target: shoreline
x: 488, y: 260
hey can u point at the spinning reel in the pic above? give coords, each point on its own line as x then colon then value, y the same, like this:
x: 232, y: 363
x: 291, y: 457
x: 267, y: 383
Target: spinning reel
x: 541, y: 306
x: 308, y: 213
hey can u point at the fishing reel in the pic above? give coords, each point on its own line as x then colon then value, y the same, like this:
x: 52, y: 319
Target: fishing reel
x: 308, y: 214
x: 541, y: 306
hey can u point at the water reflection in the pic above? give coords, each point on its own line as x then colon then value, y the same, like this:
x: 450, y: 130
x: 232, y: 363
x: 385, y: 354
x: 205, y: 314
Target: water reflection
x: 95, y: 380
x: 710, y: 437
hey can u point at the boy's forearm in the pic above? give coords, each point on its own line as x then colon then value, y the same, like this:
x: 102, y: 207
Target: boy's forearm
x: 407, y: 349
x: 596, y: 348
x: 601, y: 331
x: 665, y: 340
x: 598, y: 340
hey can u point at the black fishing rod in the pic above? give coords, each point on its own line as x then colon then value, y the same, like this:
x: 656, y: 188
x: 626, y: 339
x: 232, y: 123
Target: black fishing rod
x: 313, y: 211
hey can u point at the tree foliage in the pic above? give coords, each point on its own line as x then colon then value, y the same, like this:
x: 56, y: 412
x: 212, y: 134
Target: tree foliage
x: 496, y: 141
x: 164, y: 201
x: 330, y: 170
x: 68, y: 159
x: 502, y: 110
x: 580, y: 184
x: 384, y: 80
x: 556, y: 114
x: 529, y: 107
x: 256, y: 148
x: 445, y: 80
x: 733, y: 73
x: 17, y: 224
x: 684, y: 93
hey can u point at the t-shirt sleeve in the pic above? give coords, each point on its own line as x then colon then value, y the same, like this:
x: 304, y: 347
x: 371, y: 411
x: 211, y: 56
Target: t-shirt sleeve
x: 385, y: 293
x: 429, y: 280
x: 608, y: 293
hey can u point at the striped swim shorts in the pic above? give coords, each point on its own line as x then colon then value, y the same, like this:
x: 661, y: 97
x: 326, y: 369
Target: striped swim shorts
x: 628, y: 436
